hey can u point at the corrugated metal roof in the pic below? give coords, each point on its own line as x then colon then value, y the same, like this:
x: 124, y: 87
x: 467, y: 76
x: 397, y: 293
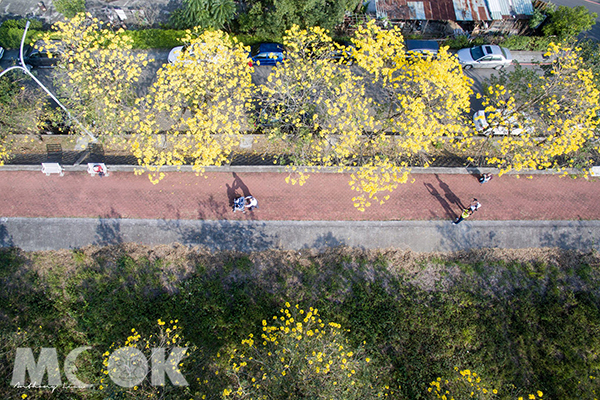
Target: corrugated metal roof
x: 498, y: 8
x: 471, y: 10
x: 502, y: 9
x: 523, y: 7
x: 437, y: 10
x: 416, y: 9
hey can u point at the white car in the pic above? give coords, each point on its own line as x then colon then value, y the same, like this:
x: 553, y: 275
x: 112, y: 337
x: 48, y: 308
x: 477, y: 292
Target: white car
x: 1, y: 52
x: 198, y: 48
x: 486, y: 56
x: 512, y: 128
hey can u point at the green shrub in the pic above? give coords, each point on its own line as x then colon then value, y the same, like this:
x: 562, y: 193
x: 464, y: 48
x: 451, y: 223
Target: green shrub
x: 155, y: 38
x: 459, y: 42
x: 69, y: 8
x: 530, y: 43
x: 11, y: 32
x: 536, y: 19
x: 566, y: 22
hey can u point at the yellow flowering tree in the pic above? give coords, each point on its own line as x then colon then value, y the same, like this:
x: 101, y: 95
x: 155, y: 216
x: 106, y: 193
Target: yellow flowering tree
x: 542, y: 121
x: 425, y: 96
x: 197, y: 107
x: 298, y: 355
x: 96, y: 72
x: 317, y: 114
x: 313, y: 107
x: 425, y: 100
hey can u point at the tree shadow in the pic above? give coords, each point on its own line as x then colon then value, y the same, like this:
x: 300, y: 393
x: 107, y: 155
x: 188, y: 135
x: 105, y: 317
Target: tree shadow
x: 6, y: 239
x: 325, y: 241
x: 465, y: 236
x: 578, y: 237
x: 221, y: 234
x: 214, y: 207
x: 108, y: 230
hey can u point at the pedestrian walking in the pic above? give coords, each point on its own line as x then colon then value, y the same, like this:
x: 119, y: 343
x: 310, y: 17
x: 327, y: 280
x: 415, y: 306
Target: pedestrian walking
x: 485, y: 178
x: 467, y: 212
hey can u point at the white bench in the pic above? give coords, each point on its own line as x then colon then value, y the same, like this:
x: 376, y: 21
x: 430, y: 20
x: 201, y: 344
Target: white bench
x: 52, y: 168
x: 95, y: 168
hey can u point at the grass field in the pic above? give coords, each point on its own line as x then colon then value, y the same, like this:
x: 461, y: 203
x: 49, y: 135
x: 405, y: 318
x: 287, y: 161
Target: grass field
x: 523, y: 320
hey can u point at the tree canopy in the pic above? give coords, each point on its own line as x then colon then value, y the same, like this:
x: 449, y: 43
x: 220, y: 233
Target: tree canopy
x: 556, y: 113
x: 271, y: 18
x: 568, y: 22
x: 197, y: 107
x: 96, y: 72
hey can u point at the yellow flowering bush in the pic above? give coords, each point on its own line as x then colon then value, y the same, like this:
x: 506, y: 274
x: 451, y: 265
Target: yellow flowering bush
x: 167, y: 337
x: 298, y: 355
x: 464, y: 384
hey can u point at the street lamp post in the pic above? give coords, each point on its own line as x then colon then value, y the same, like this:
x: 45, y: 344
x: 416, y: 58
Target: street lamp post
x: 24, y: 68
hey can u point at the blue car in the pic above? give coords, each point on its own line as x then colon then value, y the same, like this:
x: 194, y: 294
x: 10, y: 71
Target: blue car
x: 266, y: 54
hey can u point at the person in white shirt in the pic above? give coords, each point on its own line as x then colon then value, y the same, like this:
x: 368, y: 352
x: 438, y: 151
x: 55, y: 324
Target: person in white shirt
x: 251, y: 203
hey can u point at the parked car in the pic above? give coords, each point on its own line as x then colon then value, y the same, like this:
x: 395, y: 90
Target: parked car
x: 343, y: 52
x: 422, y: 48
x: 512, y: 127
x: 266, y: 54
x: 204, y: 53
x: 37, y: 56
x: 486, y: 56
x: 174, y: 53
x: 1, y: 52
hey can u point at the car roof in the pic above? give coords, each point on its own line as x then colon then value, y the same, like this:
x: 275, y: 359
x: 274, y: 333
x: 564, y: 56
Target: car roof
x: 422, y: 45
x: 491, y: 49
x: 270, y: 47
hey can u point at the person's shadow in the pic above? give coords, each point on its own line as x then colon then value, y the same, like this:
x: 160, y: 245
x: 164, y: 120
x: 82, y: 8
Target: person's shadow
x: 238, y: 184
x: 433, y: 191
x: 449, y: 194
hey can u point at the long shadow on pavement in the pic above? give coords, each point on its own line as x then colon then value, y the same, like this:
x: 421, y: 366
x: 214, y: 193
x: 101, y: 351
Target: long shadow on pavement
x: 221, y: 235
x: 6, y: 239
x: 108, y: 231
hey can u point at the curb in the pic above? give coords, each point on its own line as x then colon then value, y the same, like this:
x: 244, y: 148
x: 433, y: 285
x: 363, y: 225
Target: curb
x: 34, y: 234
x: 283, y: 169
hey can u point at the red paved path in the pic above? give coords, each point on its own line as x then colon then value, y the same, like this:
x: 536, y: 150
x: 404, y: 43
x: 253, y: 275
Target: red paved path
x: 324, y: 197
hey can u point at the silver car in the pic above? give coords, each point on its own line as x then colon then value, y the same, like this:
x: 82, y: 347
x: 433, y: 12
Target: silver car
x: 486, y: 56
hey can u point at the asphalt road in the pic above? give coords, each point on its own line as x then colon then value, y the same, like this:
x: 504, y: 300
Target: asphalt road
x: 260, y: 75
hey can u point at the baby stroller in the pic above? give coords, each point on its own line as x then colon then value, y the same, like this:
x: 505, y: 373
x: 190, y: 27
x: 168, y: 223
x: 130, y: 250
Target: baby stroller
x: 239, y: 204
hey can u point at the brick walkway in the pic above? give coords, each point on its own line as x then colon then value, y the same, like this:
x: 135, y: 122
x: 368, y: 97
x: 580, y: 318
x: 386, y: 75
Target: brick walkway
x: 323, y: 197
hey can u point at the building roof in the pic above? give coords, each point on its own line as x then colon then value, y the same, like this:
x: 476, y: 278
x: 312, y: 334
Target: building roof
x: 452, y: 10
x: 503, y: 9
x: 437, y: 10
